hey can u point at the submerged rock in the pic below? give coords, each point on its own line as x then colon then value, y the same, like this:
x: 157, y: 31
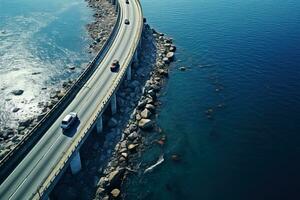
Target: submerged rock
x: 175, y: 157
x: 15, y: 110
x: 17, y: 92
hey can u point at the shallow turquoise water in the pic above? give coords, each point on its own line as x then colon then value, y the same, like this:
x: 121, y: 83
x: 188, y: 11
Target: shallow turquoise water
x: 43, y: 37
x: 249, y: 51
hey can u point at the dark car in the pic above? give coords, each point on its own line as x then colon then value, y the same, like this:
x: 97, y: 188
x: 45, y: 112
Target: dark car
x: 114, y: 66
x: 126, y: 21
x: 127, y: 2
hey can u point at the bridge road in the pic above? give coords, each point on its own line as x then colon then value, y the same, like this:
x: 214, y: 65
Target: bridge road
x: 26, y: 178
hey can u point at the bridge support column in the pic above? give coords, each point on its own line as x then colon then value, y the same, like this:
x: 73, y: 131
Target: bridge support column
x: 140, y: 45
x: 99, y: 124
x: 113, y: 103
x: 117, y: 7
x: 136, y: 56
x: 45, y: 197
x: 128, y: 73
x: 75, y: 163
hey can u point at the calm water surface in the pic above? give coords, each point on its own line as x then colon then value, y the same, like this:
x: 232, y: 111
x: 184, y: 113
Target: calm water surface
x: 243, y: 60
x: 39, y: 41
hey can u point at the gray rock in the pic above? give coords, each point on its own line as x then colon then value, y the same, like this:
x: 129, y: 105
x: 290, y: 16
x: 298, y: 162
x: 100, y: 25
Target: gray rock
x: 170, y: 56
x: 152, y: 93
x: 145, y: 113
x: 17, y: 92
x: 21, y: 128
x: 182, y: 68
x: 39, y: 117
x: 123, y: 144
x: 167, y: 45
x: 138, y: 117
x: 132, y: 127
x: 123, y: 150
x: 15, y: 110
x: 100, y: 190
x: 106, y: 197
x: 149, y: 100
x: 166, y: 60
x: 150, y: 107
x: 132, y: 146
x: 60, y: 94
x: 102, y: 182
x: 115, y: 176
x: 141, y: 104
x: 115, y: 193
x: 146, y: 124
x: 53, y: 94
x: 25, y: 122
x: 133, y: 136
x: 172, y: 48
x: 163, y: 72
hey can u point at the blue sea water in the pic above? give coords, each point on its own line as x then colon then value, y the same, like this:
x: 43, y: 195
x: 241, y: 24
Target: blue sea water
x: 243, y: 62
x: 39, y: 41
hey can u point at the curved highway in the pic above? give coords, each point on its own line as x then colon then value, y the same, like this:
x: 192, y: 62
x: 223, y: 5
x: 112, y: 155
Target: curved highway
x: 31, y: 173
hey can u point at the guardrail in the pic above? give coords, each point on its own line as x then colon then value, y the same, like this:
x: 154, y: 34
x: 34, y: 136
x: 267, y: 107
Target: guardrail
x: 8, y: 163
x: 63, y: 161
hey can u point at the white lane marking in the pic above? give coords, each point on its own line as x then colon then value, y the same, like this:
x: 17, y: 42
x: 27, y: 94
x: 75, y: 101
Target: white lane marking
x: 34, y: 167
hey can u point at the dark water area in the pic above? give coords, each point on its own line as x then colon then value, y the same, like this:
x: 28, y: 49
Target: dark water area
x: 243, y: 68
x: 39, y: 42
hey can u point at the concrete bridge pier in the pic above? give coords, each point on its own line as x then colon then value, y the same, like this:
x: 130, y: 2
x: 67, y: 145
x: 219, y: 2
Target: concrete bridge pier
x: 135, y: 57
x: 99, y: 124
x: 113, y: 104
x: 44, y: 197
x: 75, y: 163
x: 117, y: 7
x: 128, y: 75
x: 140, y: 45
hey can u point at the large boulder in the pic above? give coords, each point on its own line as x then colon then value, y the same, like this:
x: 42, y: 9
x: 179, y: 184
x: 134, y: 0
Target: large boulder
x: 131, y: 147
x: 115, y: 193
x: 17, y: 92
x: 25, y: 122
x: 150, y: 107
x: 166, y: 60
x: 133, y: 136
x: 145, y: 113
x: 170, y: 56
x: 172, y: 48
x: 115, y: 176
x: 146, y: 124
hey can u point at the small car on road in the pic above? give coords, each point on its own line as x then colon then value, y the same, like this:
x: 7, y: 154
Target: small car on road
x: 69, y: 120
x: 126, y: 21
x: 115, y: 66
x: 127, y: 2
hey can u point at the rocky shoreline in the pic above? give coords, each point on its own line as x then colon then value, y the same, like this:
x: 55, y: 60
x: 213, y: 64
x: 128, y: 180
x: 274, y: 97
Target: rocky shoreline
x: 137, y: 102
x: 99, y: 30
x: 142, y: 120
